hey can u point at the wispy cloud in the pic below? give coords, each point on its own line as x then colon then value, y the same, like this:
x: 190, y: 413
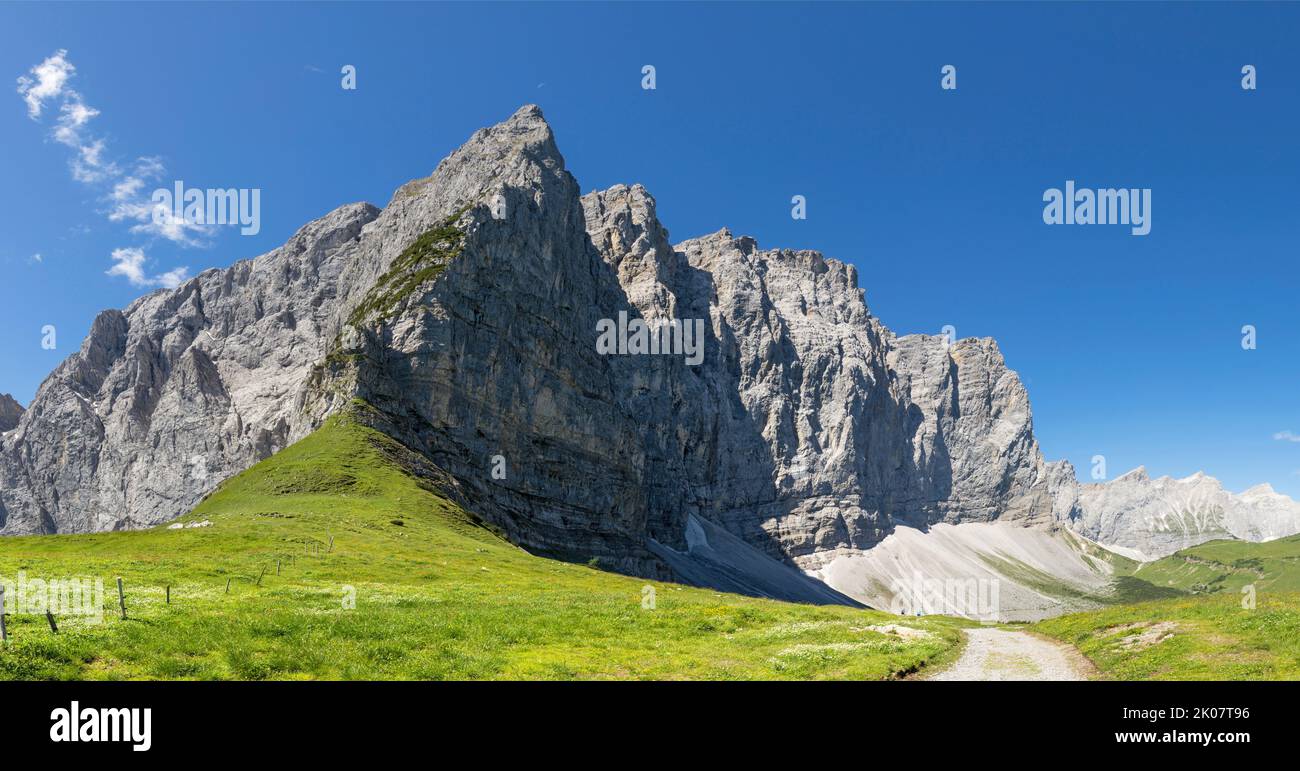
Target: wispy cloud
x: 130, y: 263
x: 1286, y: 436
x: 49, y: 85
x: 129, y: 205
x: 48, y: 82
x: 37, y: 258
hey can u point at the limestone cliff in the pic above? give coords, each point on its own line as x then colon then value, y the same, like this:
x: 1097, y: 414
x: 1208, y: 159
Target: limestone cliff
x: 466, y: 315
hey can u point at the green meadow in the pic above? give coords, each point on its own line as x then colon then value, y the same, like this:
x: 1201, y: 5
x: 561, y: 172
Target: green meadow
x: 1230, y: 610
x: 335, y: 559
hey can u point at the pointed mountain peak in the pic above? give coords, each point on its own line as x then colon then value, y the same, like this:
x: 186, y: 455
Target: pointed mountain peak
x: 526, y: 128
x: 529, y: 113
x: 1263, y: 489
x: 721, y: 240
x: 622, y: 222
x: 10, y: 412
x: 518, y: 152
x: 1138, y: 474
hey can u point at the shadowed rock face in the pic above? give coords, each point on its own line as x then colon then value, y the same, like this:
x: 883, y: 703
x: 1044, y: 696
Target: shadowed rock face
x: 10, y: 412
x: 809, y: 429
x: 465, y: 314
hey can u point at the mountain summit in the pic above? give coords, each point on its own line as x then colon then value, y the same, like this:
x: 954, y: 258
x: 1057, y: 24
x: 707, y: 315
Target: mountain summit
x: 463, y: 317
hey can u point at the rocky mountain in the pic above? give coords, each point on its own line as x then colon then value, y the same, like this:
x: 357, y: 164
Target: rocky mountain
x: 10, y: 412
x: 1150, y: 518
x: 1004, y: 571
x: 778, y: 424
x: 179, y: 391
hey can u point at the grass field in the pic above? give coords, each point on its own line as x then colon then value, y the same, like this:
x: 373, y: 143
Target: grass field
x: 1191, y: 638
x: 1236, y: 617
x: 1227, y: 566
x: 436, y: 595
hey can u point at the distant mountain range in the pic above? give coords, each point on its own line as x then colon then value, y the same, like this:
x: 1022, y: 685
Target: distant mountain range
x: 1148, y: 518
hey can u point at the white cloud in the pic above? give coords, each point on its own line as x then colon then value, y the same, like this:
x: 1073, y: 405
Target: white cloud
x: 167, y: 225
x: 1286, y: 436
x: 173, y: 278
x: 36, y: 258
x: 50, y: 78
x: 129, y: 205
x: 130, y: 262
x: 127, y: 201
x: 77, y: 114
x: 89, y: 165
x: 49, y: 84
x: 128, y: 188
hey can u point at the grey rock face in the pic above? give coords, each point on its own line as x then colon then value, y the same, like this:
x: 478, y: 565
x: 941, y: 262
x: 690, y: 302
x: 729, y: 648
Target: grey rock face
x: 179, y: 391
x: 795, y: 432
x: 974, y: 442
x: 495, y: 357
x: 1150, y: 518
x: 836, y: 429
x: 10, y: 412
x: 466, y: 314
x: 798, y: 431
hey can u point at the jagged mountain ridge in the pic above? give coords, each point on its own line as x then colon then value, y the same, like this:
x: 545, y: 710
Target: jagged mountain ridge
x: 1147, y: 518
x: 182, y: 389
x: 808, y: 430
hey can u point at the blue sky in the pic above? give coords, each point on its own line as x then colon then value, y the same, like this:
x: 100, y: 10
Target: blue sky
x: 1130, y: 346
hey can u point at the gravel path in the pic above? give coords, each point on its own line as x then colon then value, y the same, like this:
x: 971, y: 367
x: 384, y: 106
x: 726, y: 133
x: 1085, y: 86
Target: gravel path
x: 1005, y: 654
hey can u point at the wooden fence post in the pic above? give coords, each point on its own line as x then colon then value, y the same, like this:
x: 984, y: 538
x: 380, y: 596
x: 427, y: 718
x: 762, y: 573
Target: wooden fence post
x: 121, y: 597
x: 260, y: 577
x: 4, y: 632
x: 50, y: 618
x: 169, y: 594
x: 228, y: 580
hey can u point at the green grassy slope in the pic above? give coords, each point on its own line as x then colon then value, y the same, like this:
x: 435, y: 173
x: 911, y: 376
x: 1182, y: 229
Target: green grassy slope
x: 1192, y: 638
x: 1227, y: 566
x: 1238, y: 617
x: 436, y: 595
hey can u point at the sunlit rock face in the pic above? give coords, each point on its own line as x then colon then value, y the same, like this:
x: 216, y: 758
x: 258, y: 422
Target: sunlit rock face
x: 1151, y: 518
x: 184, y: 388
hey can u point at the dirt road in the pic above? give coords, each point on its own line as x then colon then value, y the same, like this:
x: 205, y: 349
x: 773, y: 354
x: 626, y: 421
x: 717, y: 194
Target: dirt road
x: 1006, y: 654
